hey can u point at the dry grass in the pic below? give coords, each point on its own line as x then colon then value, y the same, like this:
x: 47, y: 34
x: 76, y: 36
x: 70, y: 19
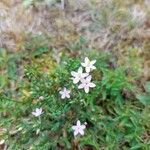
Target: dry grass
x: 112, y: 25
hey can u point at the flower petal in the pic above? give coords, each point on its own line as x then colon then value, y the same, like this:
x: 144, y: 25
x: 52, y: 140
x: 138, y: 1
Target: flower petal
x: 87, y: 69
x: 34, y: 113
x: 40, y: 110
x: 83, y: 126
x: 86, y: 89
x: 86, y: 60
x: 81, y: 86
x: 81, y: 131
x: 73, y: 73
x: 64, y: 90
x: 74, y: 127
x: 93, y: 62
x: 76, y: 132
x: 63, y: 96
x: 68, y: 96
x: 76, y: 80
x: 93, y: 67
x: 61, y: 92
x: 78, y: 123
x: 84, y: 75
x: 92, y: 84
x: 89, y: 78
x: 80, y: 70
x: 83, y: 64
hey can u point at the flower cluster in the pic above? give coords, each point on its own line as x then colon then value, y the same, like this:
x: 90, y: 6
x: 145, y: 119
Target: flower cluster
x: 84, y: 80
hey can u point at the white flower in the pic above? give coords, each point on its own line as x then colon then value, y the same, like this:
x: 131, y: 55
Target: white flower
x: 41, y: 98
x: 89, y: 65
x: 79, y: 75
x: 2, y: 142
x: 65, y: 93
x: 86, y: 84
x: 78, y: 128
x: 37, y: 112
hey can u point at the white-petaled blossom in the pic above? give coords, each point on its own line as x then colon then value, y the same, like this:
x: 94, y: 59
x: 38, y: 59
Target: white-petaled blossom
x: 89, y: 65
x: 79, y: 75
x: 37, y: 112
x: 86, y: 84
x: 2, y: 142
x: 65, y: 93
x: 41, y: 98
x: 78, y: 128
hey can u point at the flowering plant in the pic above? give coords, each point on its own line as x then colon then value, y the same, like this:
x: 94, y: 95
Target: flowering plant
x: 78, y: 104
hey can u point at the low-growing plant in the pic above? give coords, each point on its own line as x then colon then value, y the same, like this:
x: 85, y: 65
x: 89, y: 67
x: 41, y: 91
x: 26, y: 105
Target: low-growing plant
x: 78, y: 104
x: 144, y: 98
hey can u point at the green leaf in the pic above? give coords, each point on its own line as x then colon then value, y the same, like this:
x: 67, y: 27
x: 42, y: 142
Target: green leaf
x: 40, y: 51
x: 136, y: 147
x: 3, y: 81
x: 147, y: 87
x: 144, y: 99
x: 12, y: 70
x: 27, y: 3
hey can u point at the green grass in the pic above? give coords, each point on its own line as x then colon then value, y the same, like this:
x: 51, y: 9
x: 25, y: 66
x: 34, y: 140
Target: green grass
x: 115, y: 112
x: 114, y: 119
